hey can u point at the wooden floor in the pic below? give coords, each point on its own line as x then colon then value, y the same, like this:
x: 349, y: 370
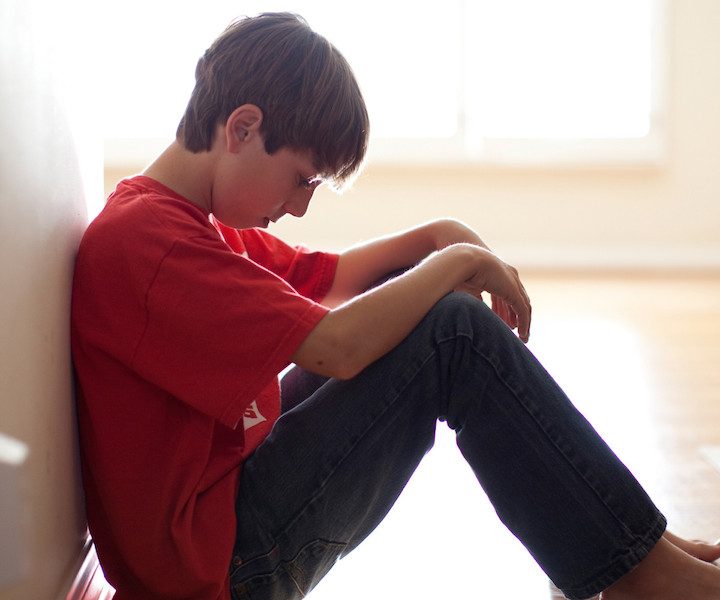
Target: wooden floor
x: 640, y: 356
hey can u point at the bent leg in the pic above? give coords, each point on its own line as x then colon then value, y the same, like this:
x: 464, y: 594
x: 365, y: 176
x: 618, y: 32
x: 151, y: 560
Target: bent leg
x: 333, y: 465
x: 552, y: 480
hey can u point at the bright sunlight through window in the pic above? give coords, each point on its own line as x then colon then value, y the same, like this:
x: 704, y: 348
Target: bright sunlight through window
x: 459, y: 80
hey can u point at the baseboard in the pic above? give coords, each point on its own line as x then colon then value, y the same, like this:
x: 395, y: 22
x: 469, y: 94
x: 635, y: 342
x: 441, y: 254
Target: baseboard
x: 593, y: 258
x: 88, y: 581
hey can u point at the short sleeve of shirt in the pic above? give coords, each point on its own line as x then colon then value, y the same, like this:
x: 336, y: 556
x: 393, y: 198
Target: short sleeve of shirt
x: 310, y: 273
x: 224, y: 325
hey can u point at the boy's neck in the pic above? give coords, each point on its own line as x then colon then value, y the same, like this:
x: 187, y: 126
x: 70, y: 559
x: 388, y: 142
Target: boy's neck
x: 185, y: 173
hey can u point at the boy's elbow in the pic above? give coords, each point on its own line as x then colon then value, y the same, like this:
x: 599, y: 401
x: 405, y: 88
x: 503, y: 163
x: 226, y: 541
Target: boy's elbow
x: 331, y: 353
x: 338, y: 368
x: 347, y: 368
x: 344, y: 363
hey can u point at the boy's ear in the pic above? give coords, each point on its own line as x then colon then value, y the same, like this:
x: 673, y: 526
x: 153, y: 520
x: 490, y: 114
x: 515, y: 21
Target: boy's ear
x: 242, y: 124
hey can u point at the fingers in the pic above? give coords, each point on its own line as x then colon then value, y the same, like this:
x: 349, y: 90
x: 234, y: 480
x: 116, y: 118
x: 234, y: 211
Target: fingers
x: 523, y: 325
x: 525, y: 314
x: 517, y: 315
x: 510, y: 300
x: 504, y: 311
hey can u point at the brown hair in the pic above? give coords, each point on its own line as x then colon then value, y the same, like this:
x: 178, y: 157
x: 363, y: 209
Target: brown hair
x: 305, y: 88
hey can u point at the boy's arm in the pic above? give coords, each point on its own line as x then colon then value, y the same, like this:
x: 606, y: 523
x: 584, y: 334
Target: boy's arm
x: 362, y: 265
x: 357, y: 333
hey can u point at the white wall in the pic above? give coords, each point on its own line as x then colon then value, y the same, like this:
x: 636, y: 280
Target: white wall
x: 48, y: 166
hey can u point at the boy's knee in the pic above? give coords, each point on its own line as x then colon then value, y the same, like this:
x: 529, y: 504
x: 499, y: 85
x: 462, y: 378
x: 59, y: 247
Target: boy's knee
x: 464, y: 313
x: 459, y: 307
x: 456, y: 303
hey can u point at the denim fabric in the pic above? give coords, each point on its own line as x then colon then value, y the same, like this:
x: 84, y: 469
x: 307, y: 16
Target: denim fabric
x: 342, y: 451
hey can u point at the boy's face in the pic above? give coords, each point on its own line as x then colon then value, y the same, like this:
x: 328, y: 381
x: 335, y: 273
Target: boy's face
x: 252, y: 188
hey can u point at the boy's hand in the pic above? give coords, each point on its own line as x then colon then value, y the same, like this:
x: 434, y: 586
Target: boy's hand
x: 447, y: 232
x: 509, y: 298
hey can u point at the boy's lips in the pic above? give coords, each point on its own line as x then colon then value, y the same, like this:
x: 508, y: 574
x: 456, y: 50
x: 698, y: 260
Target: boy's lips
x: 268, y: 220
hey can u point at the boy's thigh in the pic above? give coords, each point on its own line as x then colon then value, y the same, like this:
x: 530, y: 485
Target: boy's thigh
x: 346, y: 440
x: 324, y: 480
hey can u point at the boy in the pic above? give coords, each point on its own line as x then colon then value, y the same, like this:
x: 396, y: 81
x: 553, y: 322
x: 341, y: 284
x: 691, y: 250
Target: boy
x: 199, y: 484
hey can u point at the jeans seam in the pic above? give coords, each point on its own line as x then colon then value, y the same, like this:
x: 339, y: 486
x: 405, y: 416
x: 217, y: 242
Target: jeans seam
x: 294, y: 573
x: 610, y: 573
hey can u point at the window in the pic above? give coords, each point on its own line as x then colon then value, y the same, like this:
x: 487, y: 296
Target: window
x: 517, y: 81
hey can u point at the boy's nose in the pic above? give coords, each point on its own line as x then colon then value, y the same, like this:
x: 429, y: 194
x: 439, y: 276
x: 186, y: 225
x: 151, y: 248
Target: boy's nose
x: 298, y: 206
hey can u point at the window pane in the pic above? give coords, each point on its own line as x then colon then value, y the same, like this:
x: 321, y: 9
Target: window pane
x: 407, y: 58
x: 440, y: 79
x: 559, y: 68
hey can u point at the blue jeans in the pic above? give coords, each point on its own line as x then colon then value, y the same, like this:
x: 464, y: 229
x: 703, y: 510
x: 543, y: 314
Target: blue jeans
x: 342, y: 451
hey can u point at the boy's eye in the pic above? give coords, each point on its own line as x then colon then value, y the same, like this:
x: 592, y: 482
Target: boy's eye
x: 310, y: 183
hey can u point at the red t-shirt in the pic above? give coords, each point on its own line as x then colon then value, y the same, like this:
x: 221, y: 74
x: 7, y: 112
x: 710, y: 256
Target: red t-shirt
x: 180, y: 326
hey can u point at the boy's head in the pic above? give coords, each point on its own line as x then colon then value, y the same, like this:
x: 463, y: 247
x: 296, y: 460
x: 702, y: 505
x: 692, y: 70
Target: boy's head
x: 303, y: 85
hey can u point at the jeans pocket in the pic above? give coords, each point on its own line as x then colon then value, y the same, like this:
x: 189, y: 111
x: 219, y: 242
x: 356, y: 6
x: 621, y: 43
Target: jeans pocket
x: 288, y: 579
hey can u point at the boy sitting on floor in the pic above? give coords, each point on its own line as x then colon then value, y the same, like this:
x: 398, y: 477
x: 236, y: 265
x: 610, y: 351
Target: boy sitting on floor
x: 200, y: 483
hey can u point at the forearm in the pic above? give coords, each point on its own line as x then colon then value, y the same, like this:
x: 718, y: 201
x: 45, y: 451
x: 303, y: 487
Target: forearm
x: 362, y: 330
x: 361, y: 266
